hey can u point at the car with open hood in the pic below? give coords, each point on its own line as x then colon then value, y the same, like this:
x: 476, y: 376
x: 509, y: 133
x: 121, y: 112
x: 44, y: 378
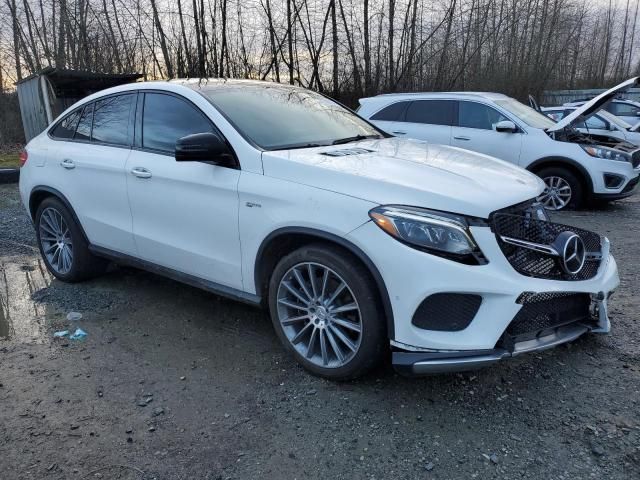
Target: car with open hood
x: 601, y: 124
x: 576, y: 167
x: 357, y: 243
x: 625, y: 109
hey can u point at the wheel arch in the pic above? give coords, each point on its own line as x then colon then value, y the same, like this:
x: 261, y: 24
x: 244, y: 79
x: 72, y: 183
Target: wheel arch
x: 563, y: 162
x: 40, y: 193
x: 284, y: 240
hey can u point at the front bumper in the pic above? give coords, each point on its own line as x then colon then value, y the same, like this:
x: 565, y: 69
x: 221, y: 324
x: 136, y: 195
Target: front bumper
x: 411, y: 276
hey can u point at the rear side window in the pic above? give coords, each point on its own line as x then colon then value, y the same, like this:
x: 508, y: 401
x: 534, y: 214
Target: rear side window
x: 83, y: 131
x: 477, y: 115
x: 111, y: 119
x: 433, y: 112
x: 392, y: 113
x: 67, y: 126
x: 167, y: 118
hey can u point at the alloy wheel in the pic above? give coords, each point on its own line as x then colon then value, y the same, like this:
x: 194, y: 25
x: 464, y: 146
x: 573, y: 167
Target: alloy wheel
x: 319, y: 315
x: 557, y: 193
x: 56, y: 241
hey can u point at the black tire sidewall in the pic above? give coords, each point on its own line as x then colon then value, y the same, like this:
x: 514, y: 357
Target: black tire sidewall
x: 577, y: 190
x: 363, y: 288
x: 82, y: 261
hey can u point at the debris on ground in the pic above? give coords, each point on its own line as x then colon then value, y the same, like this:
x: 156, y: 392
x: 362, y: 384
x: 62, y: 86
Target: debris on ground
x: 74, y: 316
x: 79, y: 334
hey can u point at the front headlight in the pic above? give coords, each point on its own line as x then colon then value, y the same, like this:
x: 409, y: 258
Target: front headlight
x: 606, y: 153
x: 443, y: 234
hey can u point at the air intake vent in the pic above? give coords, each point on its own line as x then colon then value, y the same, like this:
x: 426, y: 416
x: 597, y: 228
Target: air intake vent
x: 347, y: 151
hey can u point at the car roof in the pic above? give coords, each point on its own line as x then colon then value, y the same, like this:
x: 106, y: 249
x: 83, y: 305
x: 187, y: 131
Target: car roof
x: 448, y: 95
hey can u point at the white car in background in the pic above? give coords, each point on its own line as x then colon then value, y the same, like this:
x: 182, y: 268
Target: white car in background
x: 356, y: 242
x: 574, y: 166
x: 627, y: 110
x: 602, y: 123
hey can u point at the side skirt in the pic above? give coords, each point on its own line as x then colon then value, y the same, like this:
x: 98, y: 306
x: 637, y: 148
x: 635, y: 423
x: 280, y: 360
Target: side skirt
x: 222, y: 290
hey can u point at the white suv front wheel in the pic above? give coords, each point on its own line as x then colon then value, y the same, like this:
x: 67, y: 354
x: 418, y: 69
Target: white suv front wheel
x: 563, y: 189
x: 325, y: 310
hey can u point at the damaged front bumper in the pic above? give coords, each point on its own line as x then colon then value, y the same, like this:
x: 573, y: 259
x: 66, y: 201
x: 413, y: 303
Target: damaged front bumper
x: 415, y: 363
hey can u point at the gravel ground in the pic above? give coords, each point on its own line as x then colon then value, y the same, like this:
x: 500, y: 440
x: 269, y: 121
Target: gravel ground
x: 176, y: 383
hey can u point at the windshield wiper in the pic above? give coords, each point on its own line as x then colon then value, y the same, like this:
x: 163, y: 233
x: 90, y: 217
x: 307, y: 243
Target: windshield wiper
x: 354, y: 139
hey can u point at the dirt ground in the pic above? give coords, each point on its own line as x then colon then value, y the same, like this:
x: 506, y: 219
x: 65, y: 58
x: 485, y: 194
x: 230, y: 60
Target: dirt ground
x: 176, y: 383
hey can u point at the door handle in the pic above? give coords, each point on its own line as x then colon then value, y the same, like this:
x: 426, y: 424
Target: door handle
x: 141, y: 172
x: 461, y: 138
x: 68, y: 164
x: 398, y: 132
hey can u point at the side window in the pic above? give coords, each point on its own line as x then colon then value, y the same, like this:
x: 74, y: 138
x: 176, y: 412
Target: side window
x: 167, y: 118
x: 624, y: 109
x: 434, y: 112
x: 477, y: 115
x: 597, y: 123
x: 83, y: 132
x: 111, y: 119
x: 392, y: 113
x: 555, y: 115
x: 67, y: 126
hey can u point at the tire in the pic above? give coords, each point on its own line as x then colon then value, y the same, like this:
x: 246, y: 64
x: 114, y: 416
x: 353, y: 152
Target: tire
x: 321, y: 318
x: 52, y: 217
x: 560, y: 178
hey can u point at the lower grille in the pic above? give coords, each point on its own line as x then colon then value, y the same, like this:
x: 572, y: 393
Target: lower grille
x: 538, y: 264
x: 542, y: 311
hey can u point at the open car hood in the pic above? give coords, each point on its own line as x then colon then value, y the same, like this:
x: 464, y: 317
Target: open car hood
x: 594, y: 105
x: 635, y: 128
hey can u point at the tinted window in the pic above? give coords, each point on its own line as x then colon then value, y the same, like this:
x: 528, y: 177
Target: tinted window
x: 477, y: 115
x: 166, y: 119
x: 83, y: 132
x: 111, y: 119
x: 624, y: 109
x: 434, y: 112
x: 67, y: 127
x: 392, y: 113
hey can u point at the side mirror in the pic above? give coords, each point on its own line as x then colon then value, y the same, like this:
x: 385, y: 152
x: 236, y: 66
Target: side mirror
x: 203, y: 147
x: 506, y: 126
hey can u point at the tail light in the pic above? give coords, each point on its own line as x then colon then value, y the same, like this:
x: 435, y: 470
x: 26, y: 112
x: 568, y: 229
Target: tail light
x: 23, y: 157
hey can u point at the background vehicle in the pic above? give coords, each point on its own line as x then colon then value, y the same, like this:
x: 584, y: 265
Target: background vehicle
x: 574, y: 166
x: 627, y: 110
x: 602, y: 123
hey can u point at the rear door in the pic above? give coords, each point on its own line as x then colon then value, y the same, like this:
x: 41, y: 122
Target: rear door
x: 389, y: 117
x: 475, y: 130
x: 185, y: 214
x: 428, y: 120
x: 89, y: 168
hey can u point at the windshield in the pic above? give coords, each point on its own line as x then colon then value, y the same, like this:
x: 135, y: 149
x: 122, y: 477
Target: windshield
x: 527, y: 114
x: 276, y: 117
x: 611, y: 118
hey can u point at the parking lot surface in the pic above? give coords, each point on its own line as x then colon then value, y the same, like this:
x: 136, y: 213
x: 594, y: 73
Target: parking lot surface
x: 175, y: 383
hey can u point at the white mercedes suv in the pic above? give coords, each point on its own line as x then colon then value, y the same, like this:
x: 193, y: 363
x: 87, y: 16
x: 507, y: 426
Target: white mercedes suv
x: 356, y: 242
x: 576, y: 167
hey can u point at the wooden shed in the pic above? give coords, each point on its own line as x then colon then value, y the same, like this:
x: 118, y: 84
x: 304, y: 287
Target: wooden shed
x: 45, y: 95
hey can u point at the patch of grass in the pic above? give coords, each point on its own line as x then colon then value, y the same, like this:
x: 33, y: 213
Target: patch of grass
x: 9, y: 160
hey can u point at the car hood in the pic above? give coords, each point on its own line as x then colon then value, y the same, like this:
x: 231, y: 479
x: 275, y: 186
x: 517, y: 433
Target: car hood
x: 592, y: 106
x: 408, y: 172
x: 635, y: 128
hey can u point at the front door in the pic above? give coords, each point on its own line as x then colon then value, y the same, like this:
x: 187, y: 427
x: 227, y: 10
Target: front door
x: 185, y: 214
x: 475, y: 130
